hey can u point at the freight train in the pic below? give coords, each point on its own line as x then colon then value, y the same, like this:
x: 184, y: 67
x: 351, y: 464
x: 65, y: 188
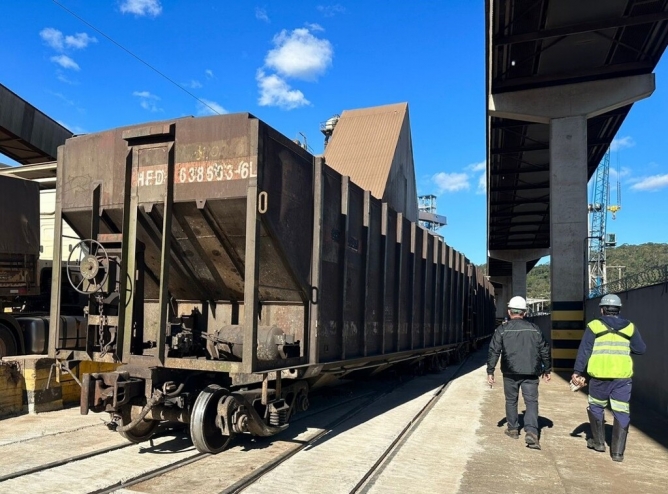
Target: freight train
x: 229, y: 272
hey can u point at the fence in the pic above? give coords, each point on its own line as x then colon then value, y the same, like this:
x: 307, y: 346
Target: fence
x: 653, y: 276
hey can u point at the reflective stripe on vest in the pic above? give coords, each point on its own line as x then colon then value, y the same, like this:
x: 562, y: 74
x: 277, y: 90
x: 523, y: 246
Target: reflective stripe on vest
x: 611, y: 355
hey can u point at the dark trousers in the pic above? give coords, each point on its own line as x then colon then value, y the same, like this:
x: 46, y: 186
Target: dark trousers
x: 615, y: 391
x: 512, y: 383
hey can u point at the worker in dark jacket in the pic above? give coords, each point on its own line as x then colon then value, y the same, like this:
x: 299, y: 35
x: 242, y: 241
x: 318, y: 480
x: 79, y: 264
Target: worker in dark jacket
x: 605, y: 352
x: 525, y: 356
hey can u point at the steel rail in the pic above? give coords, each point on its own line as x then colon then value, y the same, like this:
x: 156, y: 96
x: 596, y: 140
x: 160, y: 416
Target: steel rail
x: 257, y: 474
x: 200, y: 456
x: 374, y: 472
x: 65, y: 461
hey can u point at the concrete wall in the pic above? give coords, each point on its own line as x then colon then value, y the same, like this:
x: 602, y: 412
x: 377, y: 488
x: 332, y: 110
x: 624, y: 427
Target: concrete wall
x: 647, y: 308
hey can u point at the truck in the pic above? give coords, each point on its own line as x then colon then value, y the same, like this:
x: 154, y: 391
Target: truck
x: 25, y: 276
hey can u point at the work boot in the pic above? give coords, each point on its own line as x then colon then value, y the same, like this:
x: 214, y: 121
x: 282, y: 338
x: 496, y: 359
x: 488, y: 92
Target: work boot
x: 618, y: 443
x: 532, y: 440
x: 514, y: 433
x: 597, y: 439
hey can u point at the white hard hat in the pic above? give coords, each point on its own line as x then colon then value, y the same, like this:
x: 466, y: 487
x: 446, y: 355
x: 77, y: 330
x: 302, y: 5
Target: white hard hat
x: 517, y: 303
x: 611, y: 300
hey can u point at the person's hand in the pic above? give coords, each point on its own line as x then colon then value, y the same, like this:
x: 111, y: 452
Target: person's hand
x: 578, y: 380
x: 490, y: 380
x: 547, y: 377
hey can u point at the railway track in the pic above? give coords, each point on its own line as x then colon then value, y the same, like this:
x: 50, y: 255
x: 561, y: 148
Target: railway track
x: 58, y: 463
x: 251, y: 460
x: 44, y: 470
x: 368, y: 399
x: 367, y: 480
x: 372, y: 474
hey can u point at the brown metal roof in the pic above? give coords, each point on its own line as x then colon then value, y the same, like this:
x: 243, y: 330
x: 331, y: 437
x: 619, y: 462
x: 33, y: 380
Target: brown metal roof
x: 27, y: 135
x: 364, y: 144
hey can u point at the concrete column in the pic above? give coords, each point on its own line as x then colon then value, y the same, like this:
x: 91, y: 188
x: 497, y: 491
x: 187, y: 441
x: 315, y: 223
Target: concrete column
x: 502, y: 295
x: 519, y: 259
x: 568, y: 207
x: 566, y: 109
x: 520, y: 279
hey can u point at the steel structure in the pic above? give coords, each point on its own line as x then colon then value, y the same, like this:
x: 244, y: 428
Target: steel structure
x: 597, y: 224
x: 540, y: 43
x: 427, y: 213
x: 599, y: 239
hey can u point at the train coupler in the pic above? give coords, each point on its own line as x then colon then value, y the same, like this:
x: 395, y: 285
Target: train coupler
x: 108, y: 391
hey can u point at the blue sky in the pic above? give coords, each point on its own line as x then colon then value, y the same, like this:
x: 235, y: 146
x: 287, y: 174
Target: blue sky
x: 296, y: 63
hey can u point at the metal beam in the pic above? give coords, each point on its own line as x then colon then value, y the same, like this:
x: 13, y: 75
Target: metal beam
x: 507, y: 224
x: 521, y: 149
x: 509, y: 188
x: 533, y: 231
x: 517, y: 171
x: 517, y: 202
x: 572, y: 77
x: 581, y: 28
x: 511, y: 214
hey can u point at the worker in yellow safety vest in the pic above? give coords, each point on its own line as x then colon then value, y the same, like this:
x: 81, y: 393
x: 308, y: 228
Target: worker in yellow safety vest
x: 605, y: 352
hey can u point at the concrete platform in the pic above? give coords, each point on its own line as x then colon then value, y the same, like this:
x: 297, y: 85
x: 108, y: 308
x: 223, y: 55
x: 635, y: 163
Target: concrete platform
x: 24, y: 380
x: 460, y: 446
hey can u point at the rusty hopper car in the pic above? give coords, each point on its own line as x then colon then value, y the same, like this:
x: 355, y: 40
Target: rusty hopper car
x: 229, y: 272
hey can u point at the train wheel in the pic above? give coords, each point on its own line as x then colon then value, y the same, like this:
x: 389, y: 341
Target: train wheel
x: 8, y: 346
x: 141, y: 432
x: 205, y: 426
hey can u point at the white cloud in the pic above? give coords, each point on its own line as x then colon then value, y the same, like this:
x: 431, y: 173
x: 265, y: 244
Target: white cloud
x: 451, y: 182
x: 193, y: 84
x: 52, y: 37
x: 314, y: 26
x: 209, y: 73
x: 75, y: 129
x: 148, y: 101
x: 63, y: 78
x: 331, y: 10
x: 623, y: 172
x: 299, y: 54
x: 79, y: 40
x: 55, y: 39
x: 141, y: 7
x: 261, y: 14
x: 477, y: 167
x: 62, y: 97
x: 145, y: 94
x: 482, y: 184
x: 274, y: 91
x: 622, y: 143
x: 65, y: 62
x: 652, y: 183
x: 210, y: 108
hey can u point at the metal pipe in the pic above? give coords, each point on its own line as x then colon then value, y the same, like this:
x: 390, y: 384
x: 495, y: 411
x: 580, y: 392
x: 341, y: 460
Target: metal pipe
x: 153, y: 400
x: 164, y: 413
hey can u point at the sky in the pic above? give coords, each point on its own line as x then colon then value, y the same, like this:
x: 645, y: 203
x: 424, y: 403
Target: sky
x: 93, y: 66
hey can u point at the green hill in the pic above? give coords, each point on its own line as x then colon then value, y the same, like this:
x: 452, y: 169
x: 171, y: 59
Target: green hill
x: 632, y: 259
